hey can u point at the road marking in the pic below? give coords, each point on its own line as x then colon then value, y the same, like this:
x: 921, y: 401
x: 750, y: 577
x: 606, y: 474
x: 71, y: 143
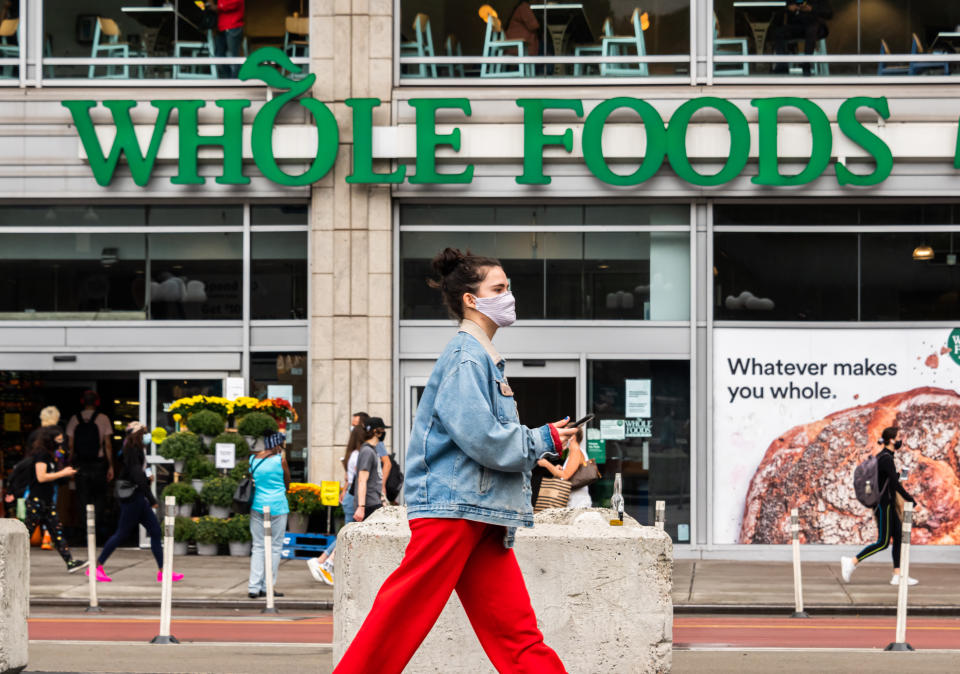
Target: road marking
x: 812, y: 627
x: 232, y: 644
x: 182, y: 621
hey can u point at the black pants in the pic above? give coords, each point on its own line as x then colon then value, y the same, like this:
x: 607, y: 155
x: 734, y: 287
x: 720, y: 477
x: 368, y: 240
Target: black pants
x: 133, y: 512
x: 808, y: 32
x: 92, y: 487
x: 888, y: 526
x: 40, y: 512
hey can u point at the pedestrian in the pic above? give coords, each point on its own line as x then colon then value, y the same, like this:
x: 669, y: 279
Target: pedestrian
x: 40, y: 506
x: 801, y: 20
x: 367, y: 486
x: 889, y: 526
x: 137, y: 503
x: 269, y: 489
x: 228, y: 40
x: 467, y: 489
x: 321, y: 568
x: 91, y: 452
x: 49, y: 416
x: 380, y: 430
x: 579, y: 498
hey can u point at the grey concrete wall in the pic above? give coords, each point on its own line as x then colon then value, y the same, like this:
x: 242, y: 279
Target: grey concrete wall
x: 601, y: 593
x: 14, y: 594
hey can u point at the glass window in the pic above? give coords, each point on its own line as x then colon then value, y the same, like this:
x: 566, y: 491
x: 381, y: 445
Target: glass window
x: 95, y: 215
x: 284, y: 375
x: 293, y: 214
x: 651, y: 399
x: 196, y: 276
x: 559, y: 275
x: 449, y: 215
x: 279, y: 275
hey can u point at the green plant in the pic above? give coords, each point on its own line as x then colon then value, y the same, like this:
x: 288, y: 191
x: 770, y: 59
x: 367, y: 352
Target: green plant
x: 182, y: 492
x: 206, y: 422
x: 304, y: 501
x: 210, y: 530
x: 180, y: 446
x: 239, y: 444
x: 238, y: 529
x: 218, y: 491
x: 184, y: 529
x: 199, y: 468
x: 257, y: 424
x: 239, y: 471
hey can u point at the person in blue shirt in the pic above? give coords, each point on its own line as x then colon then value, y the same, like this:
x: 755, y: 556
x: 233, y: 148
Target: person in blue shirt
x: 271, y: 477
x: 467, y: 489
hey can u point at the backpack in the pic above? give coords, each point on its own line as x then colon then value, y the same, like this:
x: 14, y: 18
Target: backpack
x: 21, y: 476
x: 865, y: 479
x: 86, y: 439
x: 394, y: 479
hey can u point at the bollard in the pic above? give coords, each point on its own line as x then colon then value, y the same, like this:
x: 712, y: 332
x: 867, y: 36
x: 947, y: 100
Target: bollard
x: 94, y: 606
x: 166, y: 587
x: 797, y: 578
x: 901, y: 643
x: 660, y: 520
x: 268, y: 559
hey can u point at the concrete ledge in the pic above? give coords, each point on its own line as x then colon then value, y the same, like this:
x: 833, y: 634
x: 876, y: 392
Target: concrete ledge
x: 601, y: 593
x: 14, y: 595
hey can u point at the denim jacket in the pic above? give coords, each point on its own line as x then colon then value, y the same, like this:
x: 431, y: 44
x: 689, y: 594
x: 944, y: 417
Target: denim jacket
x: 469, y: 457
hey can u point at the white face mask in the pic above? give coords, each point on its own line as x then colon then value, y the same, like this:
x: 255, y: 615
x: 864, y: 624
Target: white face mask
x: 501, y: 309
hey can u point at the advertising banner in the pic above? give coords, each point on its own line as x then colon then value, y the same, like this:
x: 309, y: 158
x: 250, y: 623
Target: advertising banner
x: 796, y: 410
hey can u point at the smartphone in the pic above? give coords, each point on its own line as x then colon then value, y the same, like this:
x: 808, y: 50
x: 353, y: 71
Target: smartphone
x: 580, y: 422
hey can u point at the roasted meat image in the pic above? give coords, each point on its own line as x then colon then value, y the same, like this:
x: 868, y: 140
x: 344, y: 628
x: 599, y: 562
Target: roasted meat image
x: 810, y: 467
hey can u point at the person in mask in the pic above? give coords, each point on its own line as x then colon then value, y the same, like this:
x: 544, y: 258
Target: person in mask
x: 467, y: 489
x: 889, y: 526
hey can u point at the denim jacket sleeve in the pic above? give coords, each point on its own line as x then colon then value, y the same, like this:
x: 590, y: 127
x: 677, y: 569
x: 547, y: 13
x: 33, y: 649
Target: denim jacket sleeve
x: 468, y: 416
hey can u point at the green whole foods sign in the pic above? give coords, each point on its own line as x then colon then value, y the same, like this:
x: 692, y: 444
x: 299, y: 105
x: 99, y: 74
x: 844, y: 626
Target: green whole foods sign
x: 665, y: 142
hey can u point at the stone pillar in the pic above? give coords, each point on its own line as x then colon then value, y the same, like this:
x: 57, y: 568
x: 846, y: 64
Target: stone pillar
x: 14, y: 595
x: 351, y: 50
x: 601, y: 593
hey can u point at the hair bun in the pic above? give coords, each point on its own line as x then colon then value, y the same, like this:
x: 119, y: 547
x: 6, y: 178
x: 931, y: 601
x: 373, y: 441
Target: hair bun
x: 447, y: 261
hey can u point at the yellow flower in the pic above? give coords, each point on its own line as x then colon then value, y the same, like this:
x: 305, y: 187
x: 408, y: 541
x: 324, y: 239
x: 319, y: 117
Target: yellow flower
x: 177, y: 417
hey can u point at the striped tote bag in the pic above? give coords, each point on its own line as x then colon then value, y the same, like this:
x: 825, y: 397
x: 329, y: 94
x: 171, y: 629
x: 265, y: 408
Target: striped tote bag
x: 554, y: 493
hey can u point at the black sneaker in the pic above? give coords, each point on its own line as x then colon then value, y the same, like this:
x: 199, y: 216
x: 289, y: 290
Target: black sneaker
x: 75, y: 565
x: 275, y: 593
x: 253, y: 595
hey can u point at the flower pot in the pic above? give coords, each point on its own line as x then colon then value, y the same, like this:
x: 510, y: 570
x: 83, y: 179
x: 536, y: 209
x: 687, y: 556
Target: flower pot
x: 240, y: 548
x: 297, y: 523
x: 220, y: 512
x: 207, y: 549
x: 185, y: 510
x: 178, y: 465
x: 207, y: 439
x: 179, y: 547
x: 197, y: 485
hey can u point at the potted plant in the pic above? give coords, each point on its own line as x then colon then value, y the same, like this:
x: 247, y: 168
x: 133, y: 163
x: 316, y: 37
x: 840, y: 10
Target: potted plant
x: 185, y: 495
x: 188, y: 406
x: 207, y: 424
x: 238, y: 535
x: 239, y: 471
x: 197, y: 469
x: 179, y: 447
x: 254, y: 427
x: 209, y: 533
x: 304, y: 501
x: 239, y: 444
x: 184, y: 530
x: 217, y: 493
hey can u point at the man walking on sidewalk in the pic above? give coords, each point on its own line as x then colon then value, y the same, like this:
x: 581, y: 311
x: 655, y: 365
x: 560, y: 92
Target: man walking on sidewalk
x: 89, y: 433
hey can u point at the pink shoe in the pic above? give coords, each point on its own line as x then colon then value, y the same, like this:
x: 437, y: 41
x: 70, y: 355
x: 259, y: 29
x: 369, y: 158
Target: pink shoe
x: 177, y: 577
x: 101, y: 576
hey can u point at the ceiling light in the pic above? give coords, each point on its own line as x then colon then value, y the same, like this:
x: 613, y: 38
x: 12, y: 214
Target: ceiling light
x: 603, y: 266
x: 923, y: 252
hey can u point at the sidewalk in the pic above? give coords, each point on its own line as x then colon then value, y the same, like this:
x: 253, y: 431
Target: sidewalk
x: 699, y: 586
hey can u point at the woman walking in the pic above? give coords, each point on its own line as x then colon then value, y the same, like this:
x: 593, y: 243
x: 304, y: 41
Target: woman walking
x: 40, y: 506
x: 467, y: 489
x: 272, y: 477
x: 137, y: 503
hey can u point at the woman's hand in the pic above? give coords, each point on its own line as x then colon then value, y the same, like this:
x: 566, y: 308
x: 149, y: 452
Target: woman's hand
x: 564, y: 433
x: 543, y: 463
x: 69, y: 471
x: 358, y: 514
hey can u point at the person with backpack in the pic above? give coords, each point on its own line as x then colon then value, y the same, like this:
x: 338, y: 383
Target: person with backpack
x: 871, y: 475
x: 89, y: 433
x: 392, y: 475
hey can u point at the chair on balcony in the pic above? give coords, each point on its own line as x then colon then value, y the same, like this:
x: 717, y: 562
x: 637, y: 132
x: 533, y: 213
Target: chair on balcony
x: 9, y: 28
x: 495, y: 44
x: 452, y: 47
x: 106, y: 42
x: 296, y: 39
x: 816, y: 69
x: 590, y: 50
x: 917, y: 67
x: 620, y: 45
x: 422, y: 46
x: 729, y: 46
x: 884, y: 69
x: 195, y: 50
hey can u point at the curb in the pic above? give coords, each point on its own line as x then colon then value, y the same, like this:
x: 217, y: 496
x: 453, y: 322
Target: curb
x: 944, y: 611
x: 292, y: 604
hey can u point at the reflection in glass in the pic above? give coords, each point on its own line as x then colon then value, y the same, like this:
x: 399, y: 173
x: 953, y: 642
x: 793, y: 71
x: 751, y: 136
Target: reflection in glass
x: 196, y: 276
x: 278, y: 288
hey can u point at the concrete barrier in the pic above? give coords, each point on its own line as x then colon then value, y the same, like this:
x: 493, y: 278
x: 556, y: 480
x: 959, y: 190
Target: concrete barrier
x: 601, y: 593
x: 14, y: 595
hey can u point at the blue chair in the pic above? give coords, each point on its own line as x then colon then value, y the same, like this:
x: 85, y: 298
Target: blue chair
x: 495, y: 44
x: 923, y: 66
x: 884, y: 69
x: 816, y: 69
x: 452, y: 48
x: 618, y: 46
x: 422, y: 47
x: 9, y: 28
x: 111, y: 47
x: 195, y: 50
x: 729, y: 46
x: 296, y: 39
x: 591, y: 49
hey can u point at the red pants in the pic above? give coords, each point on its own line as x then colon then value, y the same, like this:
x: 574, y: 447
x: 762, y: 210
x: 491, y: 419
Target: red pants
x: 446, y: 555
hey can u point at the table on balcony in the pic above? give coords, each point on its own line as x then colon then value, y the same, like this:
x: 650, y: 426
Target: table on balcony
x: 760, y: 15
x: 565, y: 23
x: 160, y: 20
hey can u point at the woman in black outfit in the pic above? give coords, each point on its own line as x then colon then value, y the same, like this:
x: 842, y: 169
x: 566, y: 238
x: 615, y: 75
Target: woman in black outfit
x: 889, y: 525
x: 40, y: 506
x: 138, y: 508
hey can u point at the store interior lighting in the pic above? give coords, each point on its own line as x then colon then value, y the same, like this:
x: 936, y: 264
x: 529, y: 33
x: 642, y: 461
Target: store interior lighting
x: 923, y: 253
